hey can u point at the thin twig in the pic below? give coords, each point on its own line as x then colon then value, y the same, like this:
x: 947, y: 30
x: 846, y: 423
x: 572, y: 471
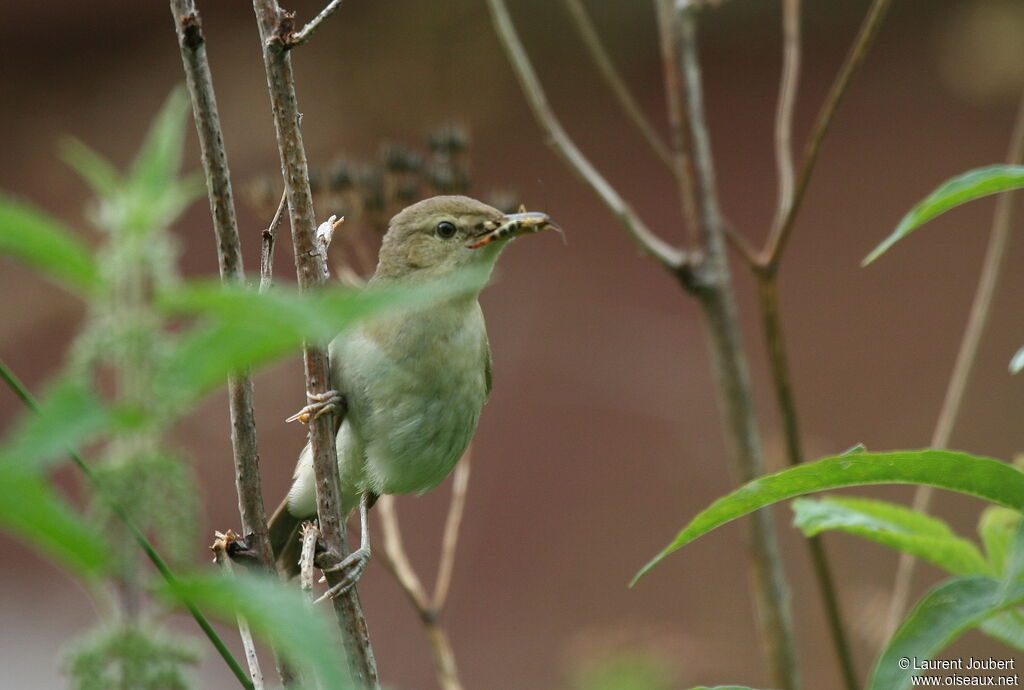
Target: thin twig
x: 147, y: 547
x: 268, y: 238
x: 788, y: 87
x: 303, y: 35
x: 229, y: 255
x: 768, y: 295
x: 397, y: 561
x: 772, y: 254
x: 768, y: 298
x: 460, y: 484
x: 220, y: 555
x: 559, y: 140
x: 597, y: 52
x: 274, y: 26
x: 981, y: 307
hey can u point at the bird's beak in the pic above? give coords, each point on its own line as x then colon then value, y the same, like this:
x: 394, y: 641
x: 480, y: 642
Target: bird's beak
x: 512, y: 225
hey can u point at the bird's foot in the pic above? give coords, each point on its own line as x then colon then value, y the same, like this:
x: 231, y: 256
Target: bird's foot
x: 319, y: 403
x: 352, y: 567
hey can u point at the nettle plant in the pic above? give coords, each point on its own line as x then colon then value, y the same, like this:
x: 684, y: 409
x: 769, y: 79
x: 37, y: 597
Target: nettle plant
x: 151, y: 347
x: 986, y: 590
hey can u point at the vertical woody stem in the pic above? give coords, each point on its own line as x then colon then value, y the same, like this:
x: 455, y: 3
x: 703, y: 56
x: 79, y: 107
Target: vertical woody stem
x: 275, y: 28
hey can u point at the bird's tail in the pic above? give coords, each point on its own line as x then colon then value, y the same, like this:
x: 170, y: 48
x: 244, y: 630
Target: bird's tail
x: 284, y: 540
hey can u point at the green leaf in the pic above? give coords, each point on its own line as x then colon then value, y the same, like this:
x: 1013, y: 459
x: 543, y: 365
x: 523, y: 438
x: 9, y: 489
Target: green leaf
x: 96, y: 170
x: 1007, y: 627
x: 894, y: 526
x: 1017, y: 362
x: 70, y: 414
x: 941, y: 616
x: 971, y: 185
x: 249, y: 329
x: 34, y: 512
x: 985, y: 478
x: 159, y: 159
x: 46, y: 245
x: 996, y: 527
x: 281, y: 615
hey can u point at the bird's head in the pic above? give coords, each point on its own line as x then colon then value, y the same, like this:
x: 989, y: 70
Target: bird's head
x: 436, y: 237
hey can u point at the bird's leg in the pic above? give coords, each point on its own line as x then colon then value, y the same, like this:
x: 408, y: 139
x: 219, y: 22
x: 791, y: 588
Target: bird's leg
x: 355, y: 563
x: 319, y: 403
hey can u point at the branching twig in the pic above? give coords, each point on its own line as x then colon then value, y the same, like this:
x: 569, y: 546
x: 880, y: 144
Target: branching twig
x: 220, y: 555
x: 559, y: 140
x: 304, y: 34
x: 768, y: 295
x: 133, y: 529
x: 268, y: 238
x: 275, y: 26
x: 999, y: 238
x: 705, y: 274
x: 622, y: 94
x: 397, y: 561
x: 714, y: 290
x: 310, y: 535
x: 772, y: 254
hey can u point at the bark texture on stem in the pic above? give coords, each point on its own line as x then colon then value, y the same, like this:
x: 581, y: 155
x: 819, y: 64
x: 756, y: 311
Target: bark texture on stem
x: 229, y: 258
x: 275, y: 26
x: 711, y: 282
x: 981, y: 307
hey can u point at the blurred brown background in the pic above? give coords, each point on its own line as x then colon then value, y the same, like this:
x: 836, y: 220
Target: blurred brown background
x: 601, y: 438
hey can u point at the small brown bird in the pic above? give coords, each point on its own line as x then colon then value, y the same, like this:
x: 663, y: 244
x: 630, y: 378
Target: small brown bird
x: 414, y: 384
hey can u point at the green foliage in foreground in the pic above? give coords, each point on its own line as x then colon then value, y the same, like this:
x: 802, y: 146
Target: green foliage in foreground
x: 968, y: 186
x: 167, y: 342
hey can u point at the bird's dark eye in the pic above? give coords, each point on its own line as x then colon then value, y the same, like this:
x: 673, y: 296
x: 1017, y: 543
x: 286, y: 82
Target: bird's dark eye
x: 445, y: 230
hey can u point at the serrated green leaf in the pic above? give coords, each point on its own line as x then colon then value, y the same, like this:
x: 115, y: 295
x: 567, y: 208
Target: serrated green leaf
x: 892, y: 525
x: 159, y: 159
x: 46, y: 245
x: 70, y: 414
x: 96, y: 170
x: 971, y: 185
x: 985, y: 478
x: 248, y: 329
x: 996, y: 527
x: 1017, y: 362
x: 942, y: 615
x: 279, y: 614
x: 34, y: 512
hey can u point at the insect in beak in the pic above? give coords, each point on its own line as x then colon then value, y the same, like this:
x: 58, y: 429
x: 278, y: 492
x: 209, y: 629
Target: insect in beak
x: 513, y: 225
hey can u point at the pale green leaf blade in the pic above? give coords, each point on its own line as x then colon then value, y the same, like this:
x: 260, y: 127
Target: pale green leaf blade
x: 985, y: 478
x: 997, y: 527
x: 1007, y: 627
x: 892, y: 525
x: 43, y: 243
x: 69, y: 414
x: 1017, y: 362
x: 248, y: 329
x: 159, y: 159
x: 96, y: 170
x: 30, y: 509
x: 971, y: 185
x: 281, y: 615
x: 942, y: 615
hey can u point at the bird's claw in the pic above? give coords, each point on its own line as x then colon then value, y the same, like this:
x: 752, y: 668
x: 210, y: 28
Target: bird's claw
x: 319, y: 404
x: 353, y: 567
